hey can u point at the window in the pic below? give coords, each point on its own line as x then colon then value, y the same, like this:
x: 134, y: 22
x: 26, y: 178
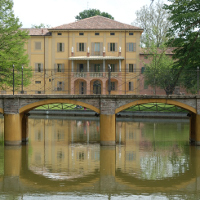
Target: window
x: 39, y: 92
x: 96, y: 33
x: 112, y: 67
x: 130, y: 86
x: 60, y: 47
x: 37, y: 82
x: 131, y: 47
x: 60, y: 86
x: 112, y: 33
x: 82, y: 87
x: 59, y: 33
x: 131, y: 33
x: 81, y: 33
x: 112, y: 84
x: 97, y: 68
x: 142, y: 70
x: 112, y: 46
x: 81, y: 46
x: 59, y: 67
x: 97, y: 47
x: 38, y: 67
x: 37, y: 45
x: 130, y: 67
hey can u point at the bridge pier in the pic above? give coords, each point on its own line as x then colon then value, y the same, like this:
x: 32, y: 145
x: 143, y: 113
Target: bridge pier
x: 107, y: 129
x: 195, y: 129
x: 12, y: 129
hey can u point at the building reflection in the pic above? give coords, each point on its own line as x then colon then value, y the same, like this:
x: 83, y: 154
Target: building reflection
x: 65, y: 156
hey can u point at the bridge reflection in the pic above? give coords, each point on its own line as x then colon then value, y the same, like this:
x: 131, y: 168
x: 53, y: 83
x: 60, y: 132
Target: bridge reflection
x: 65, y: 156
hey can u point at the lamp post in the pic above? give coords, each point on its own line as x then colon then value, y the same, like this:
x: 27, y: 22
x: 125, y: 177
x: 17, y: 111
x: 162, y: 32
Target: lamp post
x: 197, y: 80
x: 13, y: 79
x: 22, y: 81
x: 109, y: 83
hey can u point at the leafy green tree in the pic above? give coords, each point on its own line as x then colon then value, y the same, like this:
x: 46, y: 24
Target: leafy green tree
x: 12, y: 52
x: 154, y: 20
x: 92, y: 12
x: 159, y: 71
x: 40, y: 26
x: 184, y: 34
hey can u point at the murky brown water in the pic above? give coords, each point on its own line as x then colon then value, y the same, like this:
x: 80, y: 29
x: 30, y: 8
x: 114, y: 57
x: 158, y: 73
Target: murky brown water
x: 63, y: 160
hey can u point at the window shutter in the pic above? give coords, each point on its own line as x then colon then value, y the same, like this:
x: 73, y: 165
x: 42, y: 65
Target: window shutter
x: 55, y: 67
x: 101, y: 48
x: 58, y: 45
x: 85, y: 46
x: 115, y: 68
x: 134, y: 47
x: 92, y: 68
x: 63, y: 47
x: 115, y: 46
x: 127, y: 47
x: 77, y: 67
x: 108, y: 47
x: 131, y: 86
x: 41, y: 67
x: 77, y: 47
x: 63, y: 86
x: 134, y: 67
x: 92, y: 49
x: 127, y: 69
x: 63, y: 68
x: 36, y: 67
x: 142, y: 70
x: 84, y: 67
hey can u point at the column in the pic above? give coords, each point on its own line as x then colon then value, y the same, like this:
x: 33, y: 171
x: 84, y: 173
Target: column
x: 107, y: 122
x: 120, y: 65
x: 197, y: 129
x: 72, y: 66
x: 104, y: 65
x: 88, y: 66
x: 12, y: 129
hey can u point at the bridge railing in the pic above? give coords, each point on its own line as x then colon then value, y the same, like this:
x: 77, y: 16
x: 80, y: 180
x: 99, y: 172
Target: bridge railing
x: 51, y: 81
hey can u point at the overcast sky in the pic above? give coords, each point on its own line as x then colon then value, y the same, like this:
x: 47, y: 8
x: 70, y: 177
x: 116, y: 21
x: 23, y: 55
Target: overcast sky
x: 58, y: 12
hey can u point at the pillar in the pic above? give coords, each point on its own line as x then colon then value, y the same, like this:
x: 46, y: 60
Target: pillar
x: 12, y: 166
x: 192, y: 128
x: 197, y: 129
x: 12, y: 129
x: 107, y: 168
x: 107, y: 129
x: 24, y: 128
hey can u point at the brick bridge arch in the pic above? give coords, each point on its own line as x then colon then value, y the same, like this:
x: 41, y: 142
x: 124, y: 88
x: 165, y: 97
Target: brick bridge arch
x: 165, y: 101
x: 31, y: 106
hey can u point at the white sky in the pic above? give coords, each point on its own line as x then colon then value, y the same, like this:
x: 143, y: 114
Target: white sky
x: 58, y: 12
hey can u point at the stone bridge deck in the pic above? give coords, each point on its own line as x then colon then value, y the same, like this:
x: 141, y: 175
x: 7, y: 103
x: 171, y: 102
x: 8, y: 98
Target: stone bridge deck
x: 16, y: 107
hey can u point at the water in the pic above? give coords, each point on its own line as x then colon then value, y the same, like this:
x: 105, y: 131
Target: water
x: 63, y: 160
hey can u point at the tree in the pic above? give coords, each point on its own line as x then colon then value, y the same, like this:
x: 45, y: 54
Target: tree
x: 184, y: 34
x: 154, y: 20
x: 92, y: 12
x: 40, y: 26
x: 159, y: 71
x: 12, y: 52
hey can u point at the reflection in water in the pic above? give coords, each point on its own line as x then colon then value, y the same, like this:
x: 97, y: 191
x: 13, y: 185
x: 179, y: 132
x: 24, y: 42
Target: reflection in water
x: 64, y: 160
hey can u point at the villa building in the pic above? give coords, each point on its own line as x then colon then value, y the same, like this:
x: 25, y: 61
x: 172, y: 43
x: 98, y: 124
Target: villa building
x: 75, y: 58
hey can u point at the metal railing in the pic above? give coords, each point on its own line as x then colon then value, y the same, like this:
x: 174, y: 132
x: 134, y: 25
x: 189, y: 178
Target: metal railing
x: 51, y: 81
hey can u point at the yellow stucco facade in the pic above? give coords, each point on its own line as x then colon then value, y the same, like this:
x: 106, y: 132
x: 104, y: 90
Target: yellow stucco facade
x: 66, y: 60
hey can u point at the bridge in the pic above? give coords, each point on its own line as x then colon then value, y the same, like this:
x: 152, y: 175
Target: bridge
x: 15, y: 109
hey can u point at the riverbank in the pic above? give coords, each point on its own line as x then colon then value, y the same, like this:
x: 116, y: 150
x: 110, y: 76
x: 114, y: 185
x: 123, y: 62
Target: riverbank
x: 123, y: 114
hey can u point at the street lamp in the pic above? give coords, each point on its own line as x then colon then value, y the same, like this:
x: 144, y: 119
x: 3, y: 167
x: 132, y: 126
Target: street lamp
x: 109, y: 83
x: 13, y: 79
x: 22, y: 81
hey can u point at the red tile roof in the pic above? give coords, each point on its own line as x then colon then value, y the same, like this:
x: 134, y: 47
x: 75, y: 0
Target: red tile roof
x: 96, y: 23
x: 37, y: 31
